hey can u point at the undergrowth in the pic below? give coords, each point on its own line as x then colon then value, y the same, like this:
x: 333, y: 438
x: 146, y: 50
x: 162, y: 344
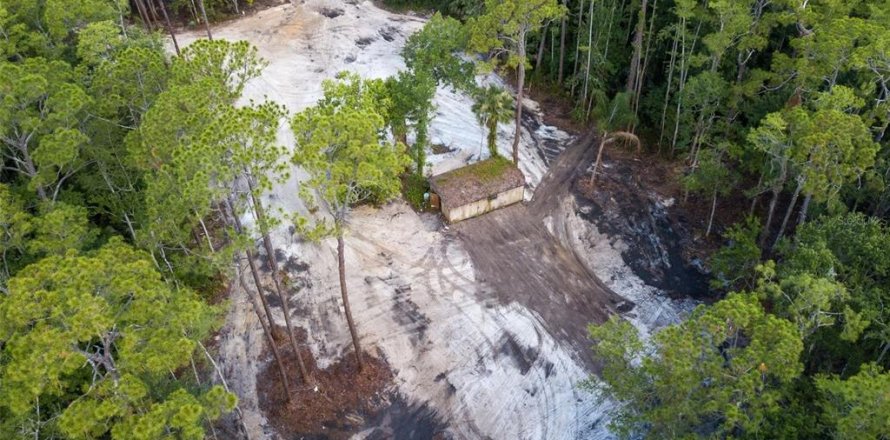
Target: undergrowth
x: 414, y: 186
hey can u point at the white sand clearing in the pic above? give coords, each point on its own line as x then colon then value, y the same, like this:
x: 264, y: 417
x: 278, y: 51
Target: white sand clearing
x: 486, y: 369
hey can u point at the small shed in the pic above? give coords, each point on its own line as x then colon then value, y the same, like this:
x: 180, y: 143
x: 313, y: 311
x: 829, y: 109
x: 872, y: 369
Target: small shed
x: 478, y: 188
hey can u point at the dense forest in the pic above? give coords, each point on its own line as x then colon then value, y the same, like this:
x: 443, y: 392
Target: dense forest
x: 786, y: 104
x: 128, y: 168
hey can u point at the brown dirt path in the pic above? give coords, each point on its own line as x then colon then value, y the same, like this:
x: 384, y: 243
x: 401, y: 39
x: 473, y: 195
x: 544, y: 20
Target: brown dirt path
x: 517, y: 256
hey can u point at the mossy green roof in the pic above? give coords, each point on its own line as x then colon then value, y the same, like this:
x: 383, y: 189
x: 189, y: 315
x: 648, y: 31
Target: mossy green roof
x: 478, y: 181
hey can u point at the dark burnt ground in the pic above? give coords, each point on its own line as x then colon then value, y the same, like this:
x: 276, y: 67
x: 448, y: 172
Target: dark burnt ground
x: 403, y: 420
x: 639, y: 200
x: 347, y: 402
x: 557, y: 110
x: 548, y: 149
x: 515, y: 254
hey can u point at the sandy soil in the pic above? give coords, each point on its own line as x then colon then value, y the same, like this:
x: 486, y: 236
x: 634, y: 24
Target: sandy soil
x: 483, y: 325
x: 519, y: 253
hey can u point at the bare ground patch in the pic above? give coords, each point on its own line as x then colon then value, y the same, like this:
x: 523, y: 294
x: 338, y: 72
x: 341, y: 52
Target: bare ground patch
x: 338, y: 404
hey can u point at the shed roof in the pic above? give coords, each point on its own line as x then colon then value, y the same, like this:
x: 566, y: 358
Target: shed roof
x: 477, y: 181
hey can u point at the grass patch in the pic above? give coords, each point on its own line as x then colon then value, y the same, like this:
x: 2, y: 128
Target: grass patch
x: 414, y: 186
x: 484, y: 171
x: 404, y: 6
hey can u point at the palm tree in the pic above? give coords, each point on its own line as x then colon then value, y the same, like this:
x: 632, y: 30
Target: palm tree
x: 493, y: 105
x: 612, y: 116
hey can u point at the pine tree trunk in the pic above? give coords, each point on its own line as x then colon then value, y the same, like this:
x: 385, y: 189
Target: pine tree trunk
x: 599, y: 156
x: 520, y: 92
x: 756, y: 199
x: 803, y: 209
x: 251, y: 261
x: 149, y: 5
x: 682, y: 82
x: 222, y: 378
x: 577, y: 44
x: 204, y: 16
x: 194, y: 9
x: 562, y: 51
x: 143, y: 14
x: 400, y: 131
x: 713, y: 210
x: 886, y: 347
x: 764, y: 235
x: 28, y: 168
x: 268, y: 332
x: 644, y: 64
x: 540, y: 55
x: 169, y: 26
x: 422, y: 138
x: 789, y: 211
x: 684, y: 74
x: 667, y: 92
x: 120, y: 18
x: 630, y: 86
x: 341, y: 266
x: 589, y: 54
x: 130, y: 227
x: 273, y: 265
x: 206, y: 235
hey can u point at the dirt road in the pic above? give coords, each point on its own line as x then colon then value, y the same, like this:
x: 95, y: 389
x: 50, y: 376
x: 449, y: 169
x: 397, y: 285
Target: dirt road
x: 521, y: 260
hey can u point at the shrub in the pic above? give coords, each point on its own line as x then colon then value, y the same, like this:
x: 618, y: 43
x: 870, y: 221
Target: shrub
x: 414, y: 187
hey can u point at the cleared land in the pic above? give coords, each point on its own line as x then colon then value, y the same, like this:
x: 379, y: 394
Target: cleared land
x: 478, y: 356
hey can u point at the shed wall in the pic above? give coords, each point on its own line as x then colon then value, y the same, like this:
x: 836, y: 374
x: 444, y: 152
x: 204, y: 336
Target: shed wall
x: 480, y: 207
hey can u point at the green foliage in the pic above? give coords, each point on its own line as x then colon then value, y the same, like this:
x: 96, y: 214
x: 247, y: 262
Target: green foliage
x: 16, y: 225
x: 91, y: 333
x: 91, y: 339
x: 437, y: 49
x: 835, y: 145
x: 857, y: 408
x: 177, y: 175
x: 216, y: 9
x: 733, y: 265
x: 229, y: 64
x: 341, y: 145
x: 711, y: 176
x: 415, y: 186
x: 720, y: 373
x: 193, y: 144
x: 410, y: 95
x: 62, y: 17
x: 129, y: 82
x: 457, y: 8
x: 852, y: 250
x: 18, y: 20
x: 61, y: 227
x: 40, y: 111
x: 433, y: 56
x: 810, y: 303
x: 504, y: 26
x: 614, y: 114
x: 492, y: 106
x: 45, y: 28
x: 96, y: 42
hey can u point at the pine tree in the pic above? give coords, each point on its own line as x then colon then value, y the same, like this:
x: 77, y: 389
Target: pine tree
x: 503, y: 30
x: 92, y: 334
x: 339, y: 143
